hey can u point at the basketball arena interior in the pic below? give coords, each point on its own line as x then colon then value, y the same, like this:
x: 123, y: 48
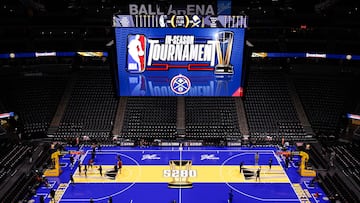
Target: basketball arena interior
x: 164, y: 101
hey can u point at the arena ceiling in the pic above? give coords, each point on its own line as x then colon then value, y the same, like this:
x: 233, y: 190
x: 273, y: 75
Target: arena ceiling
x: 274, y: 25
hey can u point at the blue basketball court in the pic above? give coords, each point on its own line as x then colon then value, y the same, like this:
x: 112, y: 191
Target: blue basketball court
x: 183, y: 174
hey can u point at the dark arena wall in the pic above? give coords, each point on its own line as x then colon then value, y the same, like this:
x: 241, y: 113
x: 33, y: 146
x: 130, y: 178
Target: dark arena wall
x: 290, y: 135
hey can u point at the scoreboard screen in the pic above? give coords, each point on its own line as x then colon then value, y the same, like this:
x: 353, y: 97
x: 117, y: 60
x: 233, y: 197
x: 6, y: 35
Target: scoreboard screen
x: 180, y: 60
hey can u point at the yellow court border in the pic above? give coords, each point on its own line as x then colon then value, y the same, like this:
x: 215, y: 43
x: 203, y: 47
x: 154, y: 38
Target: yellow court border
x: 203, y: 174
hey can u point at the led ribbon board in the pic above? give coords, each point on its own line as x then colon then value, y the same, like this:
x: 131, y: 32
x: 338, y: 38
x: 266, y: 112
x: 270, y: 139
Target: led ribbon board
x: 180, y: 55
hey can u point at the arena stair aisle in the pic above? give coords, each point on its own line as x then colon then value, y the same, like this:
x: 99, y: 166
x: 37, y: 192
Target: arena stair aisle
x: 54, y: 125
x: 299, y: 108
x: 119, y: 117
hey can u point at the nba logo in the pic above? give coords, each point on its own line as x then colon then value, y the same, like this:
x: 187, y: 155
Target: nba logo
x: 136, y: 53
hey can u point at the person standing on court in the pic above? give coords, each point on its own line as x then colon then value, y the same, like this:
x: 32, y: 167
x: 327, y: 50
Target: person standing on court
x: 91, y: 163
x: 71, y: 179
x: 258, y: 174
x: 231, y: 195
x: 85, y: 170
x: 42, y: 199
x: 110, y: 199
x: 91, y: 200
x: 257, y: 158
x: 93, y: 155
x: 52, y: 194
x: 120, y: 165
x: 287, y: 160
x: 72, y: 161
x: 241, y: 166
x: 270, y: 162
x: 100, y: 170
x: 79, y: 168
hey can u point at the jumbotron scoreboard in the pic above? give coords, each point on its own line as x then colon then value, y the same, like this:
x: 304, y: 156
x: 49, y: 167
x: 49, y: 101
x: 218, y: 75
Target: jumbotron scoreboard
x: 180, y: 55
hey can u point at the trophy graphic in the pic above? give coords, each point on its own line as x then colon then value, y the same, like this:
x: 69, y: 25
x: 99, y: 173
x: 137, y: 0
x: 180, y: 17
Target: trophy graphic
x: 224, y: 42
x: 180, y: 173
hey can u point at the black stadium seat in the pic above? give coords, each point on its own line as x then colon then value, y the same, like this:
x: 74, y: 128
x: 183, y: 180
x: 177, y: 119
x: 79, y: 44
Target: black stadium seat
x: 92, y: 107
x: 150, y: 118
x: 270, y: 112
x: 323, y: 99
x: 211, y: 119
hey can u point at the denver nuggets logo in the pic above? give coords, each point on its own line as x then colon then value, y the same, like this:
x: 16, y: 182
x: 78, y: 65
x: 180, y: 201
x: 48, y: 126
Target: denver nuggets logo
x: 180, y: 84
x: 180, y: 172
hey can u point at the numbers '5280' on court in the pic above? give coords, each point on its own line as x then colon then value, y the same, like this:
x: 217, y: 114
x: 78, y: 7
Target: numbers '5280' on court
x: 179, y: 173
